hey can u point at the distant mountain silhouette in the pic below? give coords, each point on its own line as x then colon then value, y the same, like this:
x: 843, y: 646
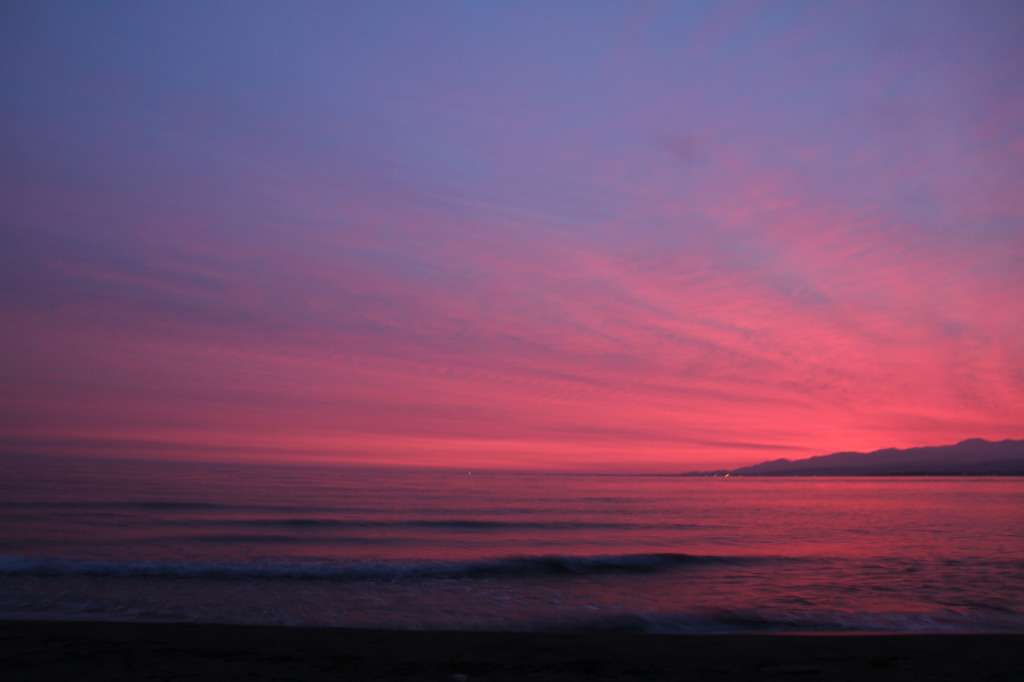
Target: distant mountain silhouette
x: 974, y: 457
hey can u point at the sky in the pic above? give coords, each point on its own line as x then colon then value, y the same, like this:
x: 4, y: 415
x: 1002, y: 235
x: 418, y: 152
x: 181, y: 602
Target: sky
x: 565, y: 235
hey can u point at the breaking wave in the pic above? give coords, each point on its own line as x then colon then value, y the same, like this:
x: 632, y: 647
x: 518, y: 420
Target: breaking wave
x: 364, y: 571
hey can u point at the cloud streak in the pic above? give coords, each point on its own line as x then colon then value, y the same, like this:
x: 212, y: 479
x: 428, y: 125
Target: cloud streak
x: 650, y: 238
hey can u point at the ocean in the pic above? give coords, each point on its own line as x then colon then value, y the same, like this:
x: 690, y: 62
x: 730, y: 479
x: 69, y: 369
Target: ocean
x: 427, y: 550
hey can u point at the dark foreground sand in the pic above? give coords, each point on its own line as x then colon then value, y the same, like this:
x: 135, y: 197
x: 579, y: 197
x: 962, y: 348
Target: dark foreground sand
x: 33, y: 650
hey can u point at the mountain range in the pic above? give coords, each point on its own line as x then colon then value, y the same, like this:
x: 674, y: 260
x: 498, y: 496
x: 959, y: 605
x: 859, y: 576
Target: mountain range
x: 973, y: 457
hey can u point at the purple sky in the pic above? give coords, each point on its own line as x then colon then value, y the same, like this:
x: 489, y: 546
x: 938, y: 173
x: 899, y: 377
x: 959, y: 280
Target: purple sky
x: 612, y: 235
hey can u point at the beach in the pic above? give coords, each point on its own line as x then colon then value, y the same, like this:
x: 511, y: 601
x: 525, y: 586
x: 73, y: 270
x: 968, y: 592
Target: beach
x: 85, y: 650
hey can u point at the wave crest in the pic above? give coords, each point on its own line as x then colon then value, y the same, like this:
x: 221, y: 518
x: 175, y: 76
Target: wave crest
x: 546, y: 565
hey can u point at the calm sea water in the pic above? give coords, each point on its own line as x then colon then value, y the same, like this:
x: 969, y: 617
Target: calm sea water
x: 391, y: 549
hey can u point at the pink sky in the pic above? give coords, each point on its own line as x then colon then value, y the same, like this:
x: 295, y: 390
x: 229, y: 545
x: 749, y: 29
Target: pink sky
x: 576, y: 235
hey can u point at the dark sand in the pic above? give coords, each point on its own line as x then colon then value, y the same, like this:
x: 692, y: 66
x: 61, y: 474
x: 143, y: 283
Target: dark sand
x: 34, y: 650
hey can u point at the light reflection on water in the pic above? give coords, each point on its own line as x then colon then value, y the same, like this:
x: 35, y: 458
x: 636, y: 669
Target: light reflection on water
x: 806, y: 553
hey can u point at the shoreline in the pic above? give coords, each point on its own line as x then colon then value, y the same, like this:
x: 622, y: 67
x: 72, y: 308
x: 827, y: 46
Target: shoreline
x: 103, y: 650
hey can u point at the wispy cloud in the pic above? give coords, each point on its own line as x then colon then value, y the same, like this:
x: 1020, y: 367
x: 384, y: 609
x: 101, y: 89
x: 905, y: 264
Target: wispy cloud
x: 646, y: 237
